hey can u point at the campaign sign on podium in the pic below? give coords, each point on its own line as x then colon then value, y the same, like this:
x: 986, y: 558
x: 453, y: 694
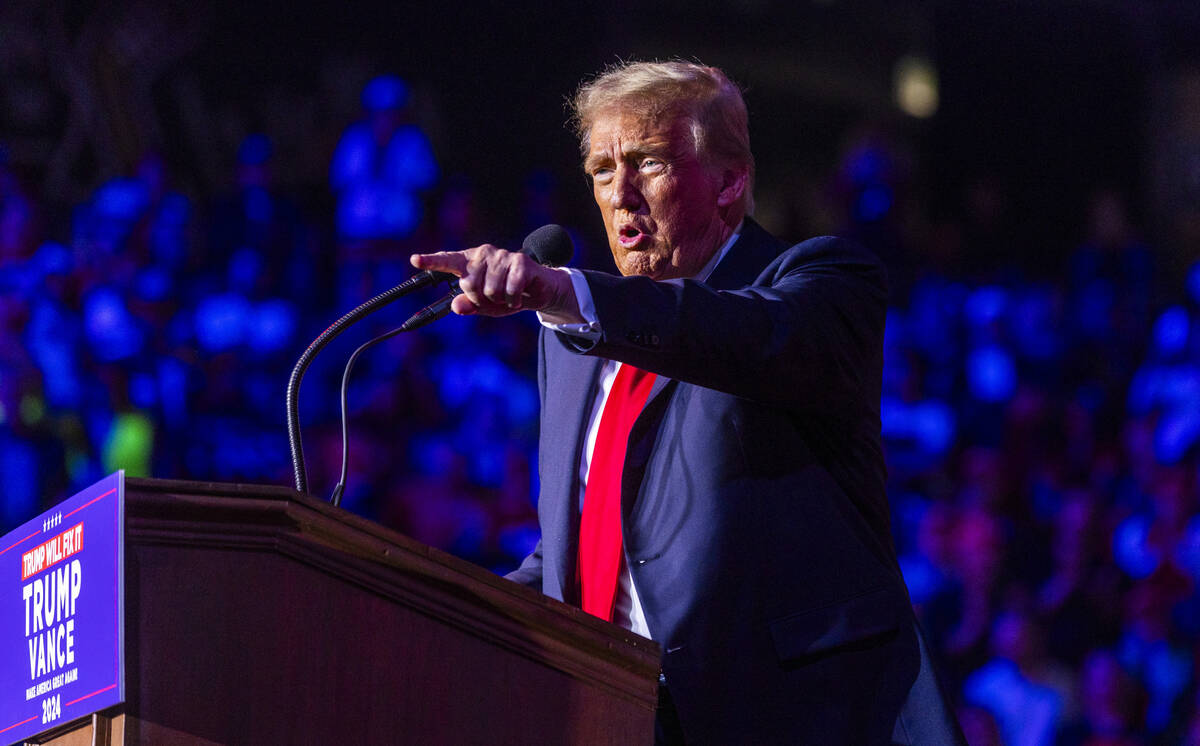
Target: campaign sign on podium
x: 61, y: 615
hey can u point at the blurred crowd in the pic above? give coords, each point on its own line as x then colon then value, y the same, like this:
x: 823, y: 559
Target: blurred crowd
x: 1042, y: 430
x: 153, y: 331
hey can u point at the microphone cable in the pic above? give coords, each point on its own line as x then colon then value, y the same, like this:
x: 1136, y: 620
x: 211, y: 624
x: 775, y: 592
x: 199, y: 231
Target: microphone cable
x: 336, y: 497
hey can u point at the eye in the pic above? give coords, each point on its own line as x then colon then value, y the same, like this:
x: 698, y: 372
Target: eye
x: 650, y: 164
x: 602, y: 175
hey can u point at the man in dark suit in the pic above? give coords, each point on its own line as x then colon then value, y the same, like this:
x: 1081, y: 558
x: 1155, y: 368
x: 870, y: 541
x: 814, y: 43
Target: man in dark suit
x: 710, y: 460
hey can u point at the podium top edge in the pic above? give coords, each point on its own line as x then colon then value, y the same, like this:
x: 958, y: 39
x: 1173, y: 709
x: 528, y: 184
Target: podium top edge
x: 309, y: 515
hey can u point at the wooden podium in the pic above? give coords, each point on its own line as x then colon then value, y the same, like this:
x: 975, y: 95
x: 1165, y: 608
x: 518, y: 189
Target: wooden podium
x: 257, y: 615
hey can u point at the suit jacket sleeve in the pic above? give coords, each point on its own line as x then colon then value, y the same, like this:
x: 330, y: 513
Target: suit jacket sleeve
x: 806, y: 335
x: 530, y: 571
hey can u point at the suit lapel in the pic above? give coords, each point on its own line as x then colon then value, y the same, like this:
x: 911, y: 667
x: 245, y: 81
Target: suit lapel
x: 754, y: 250
x: 660, y: 385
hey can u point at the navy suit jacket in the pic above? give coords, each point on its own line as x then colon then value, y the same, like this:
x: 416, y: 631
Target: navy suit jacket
x: 754, y: 513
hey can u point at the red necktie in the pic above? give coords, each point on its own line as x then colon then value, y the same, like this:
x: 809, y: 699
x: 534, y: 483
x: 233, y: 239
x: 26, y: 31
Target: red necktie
x: 600, y: 525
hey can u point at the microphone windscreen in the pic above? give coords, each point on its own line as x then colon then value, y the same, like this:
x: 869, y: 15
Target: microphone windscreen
x: 550, y: 245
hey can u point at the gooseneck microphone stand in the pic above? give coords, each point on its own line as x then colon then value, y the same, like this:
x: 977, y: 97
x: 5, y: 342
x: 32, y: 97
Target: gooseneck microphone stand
x: 549, y: 245
x: 327, y: 336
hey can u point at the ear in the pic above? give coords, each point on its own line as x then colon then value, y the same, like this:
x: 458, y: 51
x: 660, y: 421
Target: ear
x: 733, y: 185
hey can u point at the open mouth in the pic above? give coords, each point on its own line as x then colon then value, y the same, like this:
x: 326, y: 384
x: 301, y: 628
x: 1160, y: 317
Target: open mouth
x: 629, y: 236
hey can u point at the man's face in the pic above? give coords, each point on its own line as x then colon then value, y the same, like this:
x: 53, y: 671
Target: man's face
x: 664, y: 209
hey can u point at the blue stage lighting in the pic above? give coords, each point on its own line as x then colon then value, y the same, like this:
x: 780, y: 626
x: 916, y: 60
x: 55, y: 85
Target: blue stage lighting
x: 408, y: 161
x: 873, y: 203
x: 111, y: 330
x: 1171, y: 331
x: 143, y: 390
x: 121, y: 199
x: 385, y: 92
x: 986, y: 305
x: 52, y: 258
x: 933, y: 424
x: 255, y: 150
x: 1193, y: 282
x: 354, y: 158
x: 991, y: 374
x: 1176, y: 433
x: 272, y: 324
x: 1132, y: 550
x: 868, y: 165
x: 257, y: 204
x: 245, y: 267
x: 221, y: 321
x: 153, y: 284
x: 399, y: 213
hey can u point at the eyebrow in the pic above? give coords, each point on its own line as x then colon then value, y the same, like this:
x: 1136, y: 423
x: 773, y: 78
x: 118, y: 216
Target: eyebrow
x: 594, y: 161
x: 661, y: 149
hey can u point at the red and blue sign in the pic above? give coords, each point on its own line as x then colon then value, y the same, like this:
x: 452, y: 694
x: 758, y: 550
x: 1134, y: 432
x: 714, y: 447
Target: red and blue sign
x: 62, y: 613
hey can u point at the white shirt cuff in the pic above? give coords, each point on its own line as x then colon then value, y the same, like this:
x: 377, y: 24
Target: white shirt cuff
x: 590, y: 328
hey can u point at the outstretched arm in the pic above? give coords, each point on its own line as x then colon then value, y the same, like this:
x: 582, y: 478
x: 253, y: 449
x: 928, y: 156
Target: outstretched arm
x: 808, y: 334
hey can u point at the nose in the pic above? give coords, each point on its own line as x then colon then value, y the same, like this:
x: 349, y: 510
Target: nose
x: 625, y: 194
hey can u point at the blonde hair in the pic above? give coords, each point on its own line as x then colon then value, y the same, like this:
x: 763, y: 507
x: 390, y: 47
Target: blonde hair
x: 704, y: 95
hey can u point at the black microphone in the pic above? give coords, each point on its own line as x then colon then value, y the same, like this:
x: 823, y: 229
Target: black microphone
x: 549, y: 245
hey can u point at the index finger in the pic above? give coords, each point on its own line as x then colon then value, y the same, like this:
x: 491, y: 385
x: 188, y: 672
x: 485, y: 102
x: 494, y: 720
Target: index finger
x: 454, y: 262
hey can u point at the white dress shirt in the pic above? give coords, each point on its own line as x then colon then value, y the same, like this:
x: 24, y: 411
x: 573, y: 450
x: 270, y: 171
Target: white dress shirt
x: 627, y: 610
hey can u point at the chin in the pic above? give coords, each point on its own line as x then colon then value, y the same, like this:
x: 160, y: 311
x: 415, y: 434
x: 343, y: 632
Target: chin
x: 645, y: 262
x: 640, y: 264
